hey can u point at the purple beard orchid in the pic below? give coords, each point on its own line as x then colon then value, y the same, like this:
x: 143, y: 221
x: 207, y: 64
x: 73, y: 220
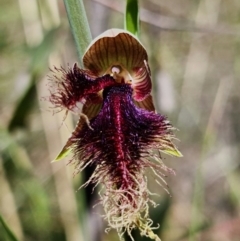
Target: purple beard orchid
x: 119, y: 133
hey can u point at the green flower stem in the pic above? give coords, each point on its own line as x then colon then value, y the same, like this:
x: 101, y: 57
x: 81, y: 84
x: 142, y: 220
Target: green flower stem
x: 131, y: 22
x: 79, y: 25
x: 82, y: 35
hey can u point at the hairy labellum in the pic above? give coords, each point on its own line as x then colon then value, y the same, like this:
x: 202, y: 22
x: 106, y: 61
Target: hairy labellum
x: 119, y: 145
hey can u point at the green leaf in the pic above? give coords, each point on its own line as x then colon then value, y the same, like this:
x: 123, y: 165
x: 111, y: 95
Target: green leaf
x: 40, y: 53
x: 132, y: 17
x: 9, y: 234
x: 24, y: 107
x: 79, y: 25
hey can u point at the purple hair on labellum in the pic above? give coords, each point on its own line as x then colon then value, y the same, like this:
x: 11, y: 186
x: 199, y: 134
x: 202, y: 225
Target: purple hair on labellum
x: 76, y: 85
x: 119, y: 145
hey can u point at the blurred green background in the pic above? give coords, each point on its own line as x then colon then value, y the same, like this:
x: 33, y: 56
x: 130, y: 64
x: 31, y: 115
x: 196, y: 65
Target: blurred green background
x: 194, y: 55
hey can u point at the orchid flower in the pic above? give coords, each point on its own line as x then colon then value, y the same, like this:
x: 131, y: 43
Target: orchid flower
x: 119, y: 132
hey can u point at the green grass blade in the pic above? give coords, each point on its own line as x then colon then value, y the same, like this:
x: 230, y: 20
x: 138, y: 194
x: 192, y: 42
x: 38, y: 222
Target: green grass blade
x: 79, y: 25
x: 9, y: 234
x: 132, y: 17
